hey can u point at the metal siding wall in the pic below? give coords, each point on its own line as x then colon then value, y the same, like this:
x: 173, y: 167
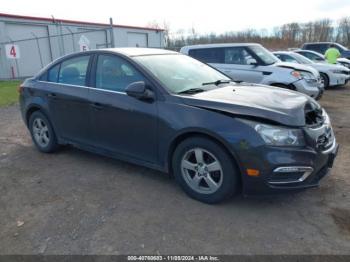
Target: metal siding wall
x: 59, y: 39
x: 34, y: 54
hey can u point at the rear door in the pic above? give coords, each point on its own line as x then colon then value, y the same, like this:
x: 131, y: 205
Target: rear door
x: 68, y: 98
x: 121, y: 124
x: 237, y: 65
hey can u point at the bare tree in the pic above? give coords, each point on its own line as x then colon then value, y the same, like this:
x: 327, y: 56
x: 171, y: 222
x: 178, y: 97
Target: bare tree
x: 282, y: 37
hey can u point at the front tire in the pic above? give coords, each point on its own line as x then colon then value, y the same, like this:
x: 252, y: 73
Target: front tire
x: 204, y: 170
x: 42, y: 133
x: 324, y: 80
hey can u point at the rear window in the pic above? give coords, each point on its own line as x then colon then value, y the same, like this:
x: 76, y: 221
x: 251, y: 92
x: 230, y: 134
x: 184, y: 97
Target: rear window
x: 209, y: 55
x: 52, y: 75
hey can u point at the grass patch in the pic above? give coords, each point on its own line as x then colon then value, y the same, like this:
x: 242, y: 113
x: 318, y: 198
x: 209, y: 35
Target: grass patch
x: 8, y: 92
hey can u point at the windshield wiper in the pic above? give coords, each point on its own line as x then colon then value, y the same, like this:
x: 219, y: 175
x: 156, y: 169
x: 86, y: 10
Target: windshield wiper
x: 218, y: 82
x: 191, y: 91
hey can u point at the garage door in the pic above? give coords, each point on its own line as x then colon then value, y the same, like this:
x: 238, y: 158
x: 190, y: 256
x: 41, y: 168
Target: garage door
x: 31, y: 60
x: 137, y: 40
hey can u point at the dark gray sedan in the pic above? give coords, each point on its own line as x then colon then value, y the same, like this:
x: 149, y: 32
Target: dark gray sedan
x: 170, y: 112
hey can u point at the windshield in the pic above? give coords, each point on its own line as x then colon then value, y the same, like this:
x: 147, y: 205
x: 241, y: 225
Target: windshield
x: 180, y: 72
x: 302, y: 59
x: 266, y: 56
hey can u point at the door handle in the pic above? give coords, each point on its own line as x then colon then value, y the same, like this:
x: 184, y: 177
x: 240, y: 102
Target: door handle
x: 52, y: 95
x: 97, y: 106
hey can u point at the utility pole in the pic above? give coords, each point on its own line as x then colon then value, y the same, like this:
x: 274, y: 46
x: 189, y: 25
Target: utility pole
x: 111, y: 31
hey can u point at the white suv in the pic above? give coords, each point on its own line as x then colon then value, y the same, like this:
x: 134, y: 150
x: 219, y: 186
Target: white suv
x: 253, y: 63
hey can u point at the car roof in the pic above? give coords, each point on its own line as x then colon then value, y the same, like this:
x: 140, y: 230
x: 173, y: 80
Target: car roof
x: 321, y: 43
x: 188, y: 47
x: 283, y: 52
x: 137, y: 51
x: 307, y: 51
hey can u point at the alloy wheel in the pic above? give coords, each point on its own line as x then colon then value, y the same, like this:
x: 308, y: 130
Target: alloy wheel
x: 41, y: 132
x: 202, y: 171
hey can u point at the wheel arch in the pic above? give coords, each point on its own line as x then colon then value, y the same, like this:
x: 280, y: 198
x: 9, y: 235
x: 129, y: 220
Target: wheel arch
x: 34, y: 107
x: 327, y: 76
x: 30, y: 110
x: 200, y: 133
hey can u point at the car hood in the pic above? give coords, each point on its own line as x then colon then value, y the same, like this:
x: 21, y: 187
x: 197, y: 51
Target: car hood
x: 296, y: 66
x: 343, y: 60
x: 326, y: 67
x: 256, y: 101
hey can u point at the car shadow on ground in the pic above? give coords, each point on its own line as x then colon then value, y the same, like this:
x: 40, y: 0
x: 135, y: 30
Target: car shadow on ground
x: 162, y: 179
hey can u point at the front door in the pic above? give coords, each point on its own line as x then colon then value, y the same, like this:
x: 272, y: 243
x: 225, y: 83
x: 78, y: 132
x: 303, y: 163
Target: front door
x: 237, y: 65
x: 120, y: 123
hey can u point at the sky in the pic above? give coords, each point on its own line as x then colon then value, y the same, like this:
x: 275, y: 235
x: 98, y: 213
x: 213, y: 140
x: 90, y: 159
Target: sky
x: 204, y: 16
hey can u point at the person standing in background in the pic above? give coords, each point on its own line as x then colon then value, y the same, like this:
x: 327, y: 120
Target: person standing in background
x: 332, y: 54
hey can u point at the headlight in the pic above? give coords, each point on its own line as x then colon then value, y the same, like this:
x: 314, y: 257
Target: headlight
x: 280, y: 136
x: 303, y: 75
x: 337, y: 71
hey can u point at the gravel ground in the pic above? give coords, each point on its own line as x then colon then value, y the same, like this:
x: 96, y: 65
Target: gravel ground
x: 74, y: 202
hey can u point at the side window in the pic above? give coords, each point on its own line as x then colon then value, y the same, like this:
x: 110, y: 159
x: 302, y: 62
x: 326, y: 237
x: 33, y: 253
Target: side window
x: 340, y: 49
x: 311, y: 56
x: 307, y: 55
x: 279, y: 56
x: 73, y: 71
x: 52, y: 75
x: 323, y: 48
x: 320, y: 48
x: 208, y: 55
x: 237, y: 55
x: 287, y: 58
x: 114, y: 73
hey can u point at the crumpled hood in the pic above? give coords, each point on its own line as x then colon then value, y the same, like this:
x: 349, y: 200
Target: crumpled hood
x: 270, y: 103
x: 296, y: 66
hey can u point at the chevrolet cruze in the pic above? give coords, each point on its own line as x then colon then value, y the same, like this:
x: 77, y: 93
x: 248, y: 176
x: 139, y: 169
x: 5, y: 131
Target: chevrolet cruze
x: 170, y: 112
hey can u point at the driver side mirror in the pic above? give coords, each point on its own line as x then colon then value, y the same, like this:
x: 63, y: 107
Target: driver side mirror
x: 252, y: 61
x: 139, y: 91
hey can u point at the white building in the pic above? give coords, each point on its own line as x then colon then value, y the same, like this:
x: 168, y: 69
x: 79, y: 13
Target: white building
x: 29, y: 43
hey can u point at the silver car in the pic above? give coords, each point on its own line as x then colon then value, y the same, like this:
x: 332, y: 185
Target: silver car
x: 319, y: 58
x: 331, y: 75
x: 253, y: 63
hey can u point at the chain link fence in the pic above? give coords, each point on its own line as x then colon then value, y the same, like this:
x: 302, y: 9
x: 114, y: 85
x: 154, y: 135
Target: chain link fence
x: 25, y: 57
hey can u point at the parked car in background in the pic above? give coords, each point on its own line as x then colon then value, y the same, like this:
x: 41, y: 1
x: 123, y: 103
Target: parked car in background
x: 331, y: 75
x: 168, y: 111
x: 319, y: 58
x: 254, y: 64
x: 321, y: 47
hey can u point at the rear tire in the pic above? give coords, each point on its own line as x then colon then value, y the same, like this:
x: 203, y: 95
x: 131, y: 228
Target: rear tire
x: 204, y: 170
x: 42, y: 133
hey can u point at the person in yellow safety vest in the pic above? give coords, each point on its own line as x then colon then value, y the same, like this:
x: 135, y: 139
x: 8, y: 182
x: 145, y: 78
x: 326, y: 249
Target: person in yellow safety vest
x: 332, y: 54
